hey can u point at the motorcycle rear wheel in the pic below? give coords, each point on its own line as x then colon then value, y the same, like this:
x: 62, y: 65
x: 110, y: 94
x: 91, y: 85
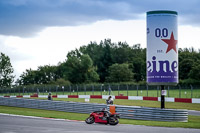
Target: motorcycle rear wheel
x: 90, y: 120
x: 113, y: 121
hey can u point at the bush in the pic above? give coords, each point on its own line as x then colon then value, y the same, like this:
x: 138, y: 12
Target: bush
x: 189, y: 82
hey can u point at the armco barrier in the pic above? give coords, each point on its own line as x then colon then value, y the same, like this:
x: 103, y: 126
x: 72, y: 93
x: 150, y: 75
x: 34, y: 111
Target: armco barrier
x: 128, y: 112
x: 52, y: 105
x: 156, y: 114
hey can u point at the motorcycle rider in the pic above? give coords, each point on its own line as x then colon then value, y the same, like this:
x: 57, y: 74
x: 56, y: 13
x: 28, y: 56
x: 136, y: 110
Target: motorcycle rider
x: 49, y: 96
x: 105, y: 113
x: 109, y: 100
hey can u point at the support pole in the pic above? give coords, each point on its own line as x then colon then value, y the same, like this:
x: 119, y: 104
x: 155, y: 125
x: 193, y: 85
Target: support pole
x: 109, y: 89
x: 157, y: 90
x: 127, y: 89
x: 118, y: 90
x: 162, y: 97
x: 191, y: 90
x: 92, y: 89
x: 85, y: 89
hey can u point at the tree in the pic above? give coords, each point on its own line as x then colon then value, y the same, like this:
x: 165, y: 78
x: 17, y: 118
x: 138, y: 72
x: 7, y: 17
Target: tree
x: 80, y: 70
x: 139, y: 67
x: 47, y: 73
x: 188, y: 64
x: 90, y: 74
x: 107, y: 53
x: 6, y: 71
x: 195, y: 73
x: 121, y: 52
x: 107, y: 61
x: 101, y: 56
x: 28, y: 77
x: 119, y: 73
x: 43, y: 75
x: 61, y: 81
x: 184, y: 67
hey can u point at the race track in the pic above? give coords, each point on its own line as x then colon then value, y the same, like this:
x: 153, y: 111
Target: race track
x: 18, y: 124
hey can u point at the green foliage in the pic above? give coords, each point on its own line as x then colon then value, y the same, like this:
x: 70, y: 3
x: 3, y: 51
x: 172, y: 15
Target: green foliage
x: 43, y: 75
x: 101, y: 55
x: 61, y: 81
x: 188, y: 64
x: 195, y: 71
x: 189, y: 82
x: 107, y: 53
x: 6, y: 70
x: 139, y: 68
x: 92, y: 63
x: 184, y: 67
x: 119, y: 73
x: 80, y: 69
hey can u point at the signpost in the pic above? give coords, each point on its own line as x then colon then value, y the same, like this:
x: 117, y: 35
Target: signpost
x: 162, y: 49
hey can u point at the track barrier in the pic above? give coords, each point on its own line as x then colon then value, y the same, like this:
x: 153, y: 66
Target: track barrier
x: 128, y: 112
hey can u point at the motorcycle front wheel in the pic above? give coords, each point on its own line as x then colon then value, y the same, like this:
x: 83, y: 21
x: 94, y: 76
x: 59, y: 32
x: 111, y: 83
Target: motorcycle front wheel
x: 90, y: 120
x: 113, y: 121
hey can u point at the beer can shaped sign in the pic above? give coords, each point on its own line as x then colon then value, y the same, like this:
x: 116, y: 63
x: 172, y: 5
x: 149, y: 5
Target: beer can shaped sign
x: 162, y: 48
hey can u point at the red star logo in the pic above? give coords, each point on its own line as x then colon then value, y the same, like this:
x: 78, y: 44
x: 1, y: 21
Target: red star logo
x: 171, y: 43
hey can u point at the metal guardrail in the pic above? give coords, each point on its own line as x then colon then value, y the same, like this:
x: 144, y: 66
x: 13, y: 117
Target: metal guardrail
x: 155, y: 114
x: 128, y: 112
x: 52, y: 105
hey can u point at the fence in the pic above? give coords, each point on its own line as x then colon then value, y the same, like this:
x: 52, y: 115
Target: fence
x: 117, y: 90
x: 128, y: 112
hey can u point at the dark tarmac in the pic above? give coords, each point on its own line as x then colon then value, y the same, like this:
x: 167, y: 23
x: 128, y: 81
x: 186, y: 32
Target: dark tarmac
x: 18, y: 124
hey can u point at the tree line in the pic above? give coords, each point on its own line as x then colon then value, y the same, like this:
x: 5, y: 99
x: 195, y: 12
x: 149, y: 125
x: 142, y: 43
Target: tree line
x: 104, y: 62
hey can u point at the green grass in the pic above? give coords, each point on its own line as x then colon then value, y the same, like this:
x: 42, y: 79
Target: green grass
x: 42, y: 113
x: 193, y: 121
x: 184, y: 93
x: 155, y: 104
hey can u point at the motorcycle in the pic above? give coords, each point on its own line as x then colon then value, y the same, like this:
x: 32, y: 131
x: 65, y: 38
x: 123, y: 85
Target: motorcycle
x: 104, y: 117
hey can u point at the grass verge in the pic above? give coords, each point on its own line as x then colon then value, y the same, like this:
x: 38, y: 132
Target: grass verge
x: 183, y: 93
x: 193, y: 121
x: 42, y: 113
x: 154, y: 104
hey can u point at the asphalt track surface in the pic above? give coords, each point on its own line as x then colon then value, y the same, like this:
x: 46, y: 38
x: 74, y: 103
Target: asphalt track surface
x: 18, y: 124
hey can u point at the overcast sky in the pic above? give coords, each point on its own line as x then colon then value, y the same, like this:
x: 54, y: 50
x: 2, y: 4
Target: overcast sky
x: 40, y: 32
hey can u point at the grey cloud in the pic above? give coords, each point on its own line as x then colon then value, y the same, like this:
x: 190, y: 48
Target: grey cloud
x: 27, y: 17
